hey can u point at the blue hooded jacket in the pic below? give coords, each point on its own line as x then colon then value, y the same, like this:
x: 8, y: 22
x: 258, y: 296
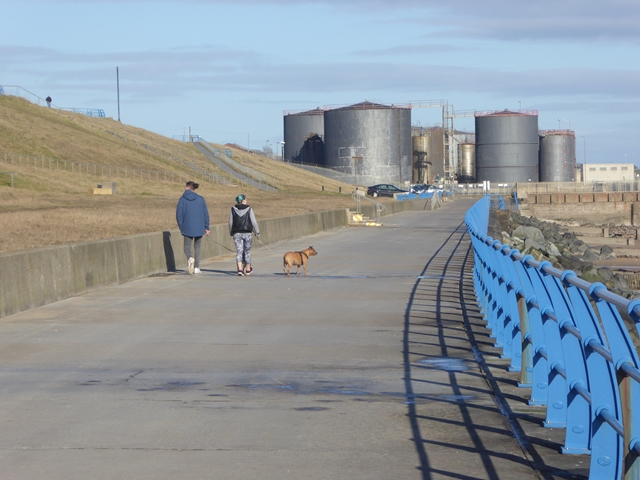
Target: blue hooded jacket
x: 192, y: 214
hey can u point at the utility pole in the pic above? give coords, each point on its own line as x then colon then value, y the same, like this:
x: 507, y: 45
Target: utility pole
x: 118, y: 85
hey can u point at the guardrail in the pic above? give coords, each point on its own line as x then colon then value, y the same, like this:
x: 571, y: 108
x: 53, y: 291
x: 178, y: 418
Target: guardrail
x: 18, y: 91
x: 245, y: 170
x: 358, y: 195
x: 571, y: 346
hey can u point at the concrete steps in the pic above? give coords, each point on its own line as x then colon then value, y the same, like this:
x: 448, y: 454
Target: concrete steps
x: 358, y: 220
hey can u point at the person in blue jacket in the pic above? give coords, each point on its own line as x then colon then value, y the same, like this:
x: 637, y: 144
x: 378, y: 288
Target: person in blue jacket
x: 193, y: 220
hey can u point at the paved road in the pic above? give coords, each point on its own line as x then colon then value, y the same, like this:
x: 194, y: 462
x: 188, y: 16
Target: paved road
x: 226, y: 168
x: 365, y: 369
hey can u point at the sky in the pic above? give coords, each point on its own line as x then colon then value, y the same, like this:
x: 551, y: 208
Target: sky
x: 227, y: 70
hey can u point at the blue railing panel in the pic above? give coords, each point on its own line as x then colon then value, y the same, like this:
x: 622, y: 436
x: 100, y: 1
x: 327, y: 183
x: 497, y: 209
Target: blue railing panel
x: 570, y: 344
x: 578, y: 413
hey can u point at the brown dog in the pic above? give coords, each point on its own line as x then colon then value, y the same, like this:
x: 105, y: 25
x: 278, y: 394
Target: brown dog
x: 298, y: 259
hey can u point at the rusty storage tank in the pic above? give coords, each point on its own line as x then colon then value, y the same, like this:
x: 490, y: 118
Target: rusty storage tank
x: 299, y: 127
x: 557, y: 156
x: 436, y: 151
x: 466, y: 163
x: 421, y: 162
x: 507, y: 146
x: 370, y: 140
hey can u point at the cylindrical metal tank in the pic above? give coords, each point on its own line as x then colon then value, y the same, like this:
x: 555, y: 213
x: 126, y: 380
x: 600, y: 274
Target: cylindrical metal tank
x: 298, y: 127
x: 370, y: 140
x: 421, y: 162
x: 436, y: 152
x: 467, y: 163
x: 557, y: 156
x: 507, y: 146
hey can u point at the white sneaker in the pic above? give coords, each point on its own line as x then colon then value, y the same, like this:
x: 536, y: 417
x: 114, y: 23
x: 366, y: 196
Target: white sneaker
x: 191, y: 264
x: 196, y: 270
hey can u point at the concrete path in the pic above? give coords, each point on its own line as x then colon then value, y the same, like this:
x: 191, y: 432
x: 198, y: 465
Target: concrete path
x: 366, y: 369
x: 237, y: 175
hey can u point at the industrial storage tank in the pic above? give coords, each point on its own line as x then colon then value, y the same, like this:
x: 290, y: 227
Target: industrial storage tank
x: 435, y: 152
x: 422, y: 168
x: 557, y: 156
x: 370, y: 140
x: 507, y: 146
x: 298, y: 128
x: 466, y: 163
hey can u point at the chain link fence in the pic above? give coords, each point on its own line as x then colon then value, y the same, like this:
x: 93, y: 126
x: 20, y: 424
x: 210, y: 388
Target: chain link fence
x: 106, y: 171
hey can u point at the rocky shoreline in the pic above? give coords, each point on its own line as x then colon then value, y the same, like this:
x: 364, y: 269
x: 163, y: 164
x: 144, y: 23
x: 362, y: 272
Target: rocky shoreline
x: 553, y: 242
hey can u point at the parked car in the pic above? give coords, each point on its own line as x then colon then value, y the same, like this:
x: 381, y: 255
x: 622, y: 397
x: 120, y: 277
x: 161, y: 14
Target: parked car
x: 422, y: 188
x: 384, y: 190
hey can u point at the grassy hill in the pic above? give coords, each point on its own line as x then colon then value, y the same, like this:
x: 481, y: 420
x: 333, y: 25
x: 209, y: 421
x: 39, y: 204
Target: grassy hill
x: 58, y: 156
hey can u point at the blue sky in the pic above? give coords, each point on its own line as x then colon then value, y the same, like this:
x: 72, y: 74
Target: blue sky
x: 228, y: 69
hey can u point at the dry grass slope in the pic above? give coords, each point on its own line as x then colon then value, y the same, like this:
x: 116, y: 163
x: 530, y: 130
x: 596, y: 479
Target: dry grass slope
x: 52, y: 206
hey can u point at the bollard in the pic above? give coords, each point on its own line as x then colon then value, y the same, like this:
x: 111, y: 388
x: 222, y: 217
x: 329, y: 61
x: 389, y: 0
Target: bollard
x: 323, y: 188
x: 340, y: 189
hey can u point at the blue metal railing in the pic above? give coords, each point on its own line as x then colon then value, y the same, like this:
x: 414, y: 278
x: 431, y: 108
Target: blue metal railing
x: 18, y: 91
x: 570, y: 344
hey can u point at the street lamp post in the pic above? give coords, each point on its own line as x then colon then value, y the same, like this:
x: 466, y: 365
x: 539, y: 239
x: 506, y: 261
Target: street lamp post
x: 282, y: 143
x: 519, y: 106
x: 584, y: 162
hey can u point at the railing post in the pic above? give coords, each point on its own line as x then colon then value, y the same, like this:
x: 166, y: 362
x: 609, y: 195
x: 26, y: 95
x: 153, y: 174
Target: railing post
x: 623, y: 351
x: 578, y: 432
x: 606, y: 445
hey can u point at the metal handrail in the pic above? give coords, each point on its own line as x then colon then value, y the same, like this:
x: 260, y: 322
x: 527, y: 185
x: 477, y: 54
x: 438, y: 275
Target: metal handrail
x: 33, y: 98
x: 379, y: 207
x: 575, y: 352
x: 248, y: 171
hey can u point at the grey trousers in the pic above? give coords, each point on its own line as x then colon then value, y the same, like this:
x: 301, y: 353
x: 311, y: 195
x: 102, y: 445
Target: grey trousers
x: 187, y: 248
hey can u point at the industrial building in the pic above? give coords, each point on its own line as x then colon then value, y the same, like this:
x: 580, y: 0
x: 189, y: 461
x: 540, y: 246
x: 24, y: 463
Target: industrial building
x: 608, y: 172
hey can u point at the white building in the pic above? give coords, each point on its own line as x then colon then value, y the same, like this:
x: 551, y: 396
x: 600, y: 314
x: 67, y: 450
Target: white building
x: 608, y: 172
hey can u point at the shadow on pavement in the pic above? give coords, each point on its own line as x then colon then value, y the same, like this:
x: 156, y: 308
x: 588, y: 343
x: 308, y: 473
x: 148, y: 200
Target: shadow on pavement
x: 464, y: 412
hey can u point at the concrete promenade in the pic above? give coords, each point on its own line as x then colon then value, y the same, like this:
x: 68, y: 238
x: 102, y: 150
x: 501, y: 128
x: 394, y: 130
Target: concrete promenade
x: 375, y: 366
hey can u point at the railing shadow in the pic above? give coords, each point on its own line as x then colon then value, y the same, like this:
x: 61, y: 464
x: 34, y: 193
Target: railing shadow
x: 452, y: 414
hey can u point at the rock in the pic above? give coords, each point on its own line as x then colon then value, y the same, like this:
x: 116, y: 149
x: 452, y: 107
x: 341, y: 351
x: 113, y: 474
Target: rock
x: 571, y: 262
x: 578, y: 247
x: 605, y: 273
x: 589, y: 256
x: 606, y: 252
x: 550, y: 249
x: 531, y: 244
x: 619, y: 281
x: 528, y: 232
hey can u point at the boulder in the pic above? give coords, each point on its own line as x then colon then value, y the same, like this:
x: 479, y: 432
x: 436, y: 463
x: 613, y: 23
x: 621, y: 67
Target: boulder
x: 606, y: 252
x: 605, y: 273
x: 550, y: 249
x: 530, y: 244
x: 524, y: 232
x: 590, y: 256
x: 619, y: 281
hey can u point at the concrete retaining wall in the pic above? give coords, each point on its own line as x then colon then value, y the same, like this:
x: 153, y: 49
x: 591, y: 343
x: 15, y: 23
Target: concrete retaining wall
x: 36, y: 277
